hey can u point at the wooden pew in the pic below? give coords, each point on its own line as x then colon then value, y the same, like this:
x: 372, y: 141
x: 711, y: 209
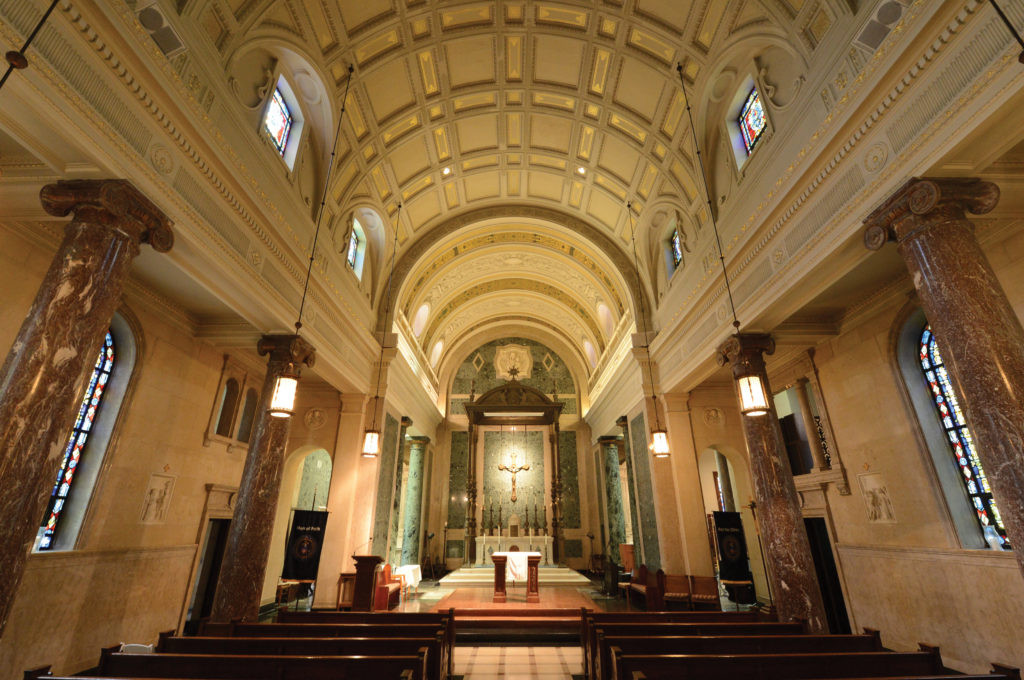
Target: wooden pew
x: 727, y: 644
x: 774, y: 666
x: 377, y: 626
x: 589, y: 618
x: 294, y: 646
x: 446, y: 619
x: 252, y: 667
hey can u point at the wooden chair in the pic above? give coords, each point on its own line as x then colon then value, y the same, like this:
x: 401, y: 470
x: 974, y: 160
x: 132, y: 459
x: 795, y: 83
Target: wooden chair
x: 675, y: 591
x: 387, y: 591
x: 705, y: 593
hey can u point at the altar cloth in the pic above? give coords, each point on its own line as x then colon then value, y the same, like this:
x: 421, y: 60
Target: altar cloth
x: 516, y: 568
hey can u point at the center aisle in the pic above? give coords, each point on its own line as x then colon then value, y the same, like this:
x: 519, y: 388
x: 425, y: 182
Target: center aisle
x: 518, y: 663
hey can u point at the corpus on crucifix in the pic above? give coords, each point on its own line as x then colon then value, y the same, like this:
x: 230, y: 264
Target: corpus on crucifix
x: 513, y: 469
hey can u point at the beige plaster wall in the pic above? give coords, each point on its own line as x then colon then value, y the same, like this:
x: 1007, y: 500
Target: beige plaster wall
x: 127, y: 580
x: 911, y: 579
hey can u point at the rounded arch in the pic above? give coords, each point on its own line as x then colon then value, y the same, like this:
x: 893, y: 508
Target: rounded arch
x: 620, y: 259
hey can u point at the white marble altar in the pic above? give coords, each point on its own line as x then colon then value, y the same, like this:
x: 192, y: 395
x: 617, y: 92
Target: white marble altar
x: 488, y: 545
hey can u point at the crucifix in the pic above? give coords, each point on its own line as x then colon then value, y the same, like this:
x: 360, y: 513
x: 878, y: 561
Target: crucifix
x: 513, y: 469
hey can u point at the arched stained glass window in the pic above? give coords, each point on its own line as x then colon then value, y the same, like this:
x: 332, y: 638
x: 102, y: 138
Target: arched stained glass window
x: 353, y: 248
x: 752, y: 120
x: 76, y: 443
x: 676, y: 246
x: 278, y: 121
x: 959, y: 436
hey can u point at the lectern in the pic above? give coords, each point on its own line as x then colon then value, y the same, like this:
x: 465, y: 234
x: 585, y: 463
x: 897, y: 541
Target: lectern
x: 362, y: 599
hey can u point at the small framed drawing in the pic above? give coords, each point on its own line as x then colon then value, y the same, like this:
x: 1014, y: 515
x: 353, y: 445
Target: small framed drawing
x: 157, y: 499
x: 876, y: 498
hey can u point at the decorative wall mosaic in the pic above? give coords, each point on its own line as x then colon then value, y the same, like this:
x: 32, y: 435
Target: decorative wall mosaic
x: 456, y: 549
x: 573, y: 547
x: 548, y: 370
x: 645, y: 492
x: 569, y: 469
x: 457, y: 482
x: 385, y: 487
x: 529, y: 449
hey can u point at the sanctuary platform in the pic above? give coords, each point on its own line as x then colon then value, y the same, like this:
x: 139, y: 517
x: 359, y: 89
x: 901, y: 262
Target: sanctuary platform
x: 483, y: 577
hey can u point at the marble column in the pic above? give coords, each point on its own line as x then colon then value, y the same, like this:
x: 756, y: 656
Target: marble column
x: 793, y: 578
x: 44, y: 376
x: 634, y: 508
x: 470, y: 549
x: 248, y: 544
x: 613, y: 497
x: 394, y: 554
x: 414, y: 501
x: 980, y: 336
x: 810, y: 427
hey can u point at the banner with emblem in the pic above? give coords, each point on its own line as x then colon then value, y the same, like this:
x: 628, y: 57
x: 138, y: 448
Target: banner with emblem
x: 732, y: 547
x: 305, y: 540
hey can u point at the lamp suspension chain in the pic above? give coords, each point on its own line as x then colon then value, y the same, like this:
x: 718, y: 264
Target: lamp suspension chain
x: 750, y: 387
x: 659, y: 437
x: 282, y: 401
x: 371, y: 438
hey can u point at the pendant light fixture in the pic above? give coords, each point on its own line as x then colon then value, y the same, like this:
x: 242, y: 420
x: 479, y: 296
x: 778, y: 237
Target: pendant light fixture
x: 659, y: 436
x: 749, y: 387
x: 371, y: 437
x: 282, y: 402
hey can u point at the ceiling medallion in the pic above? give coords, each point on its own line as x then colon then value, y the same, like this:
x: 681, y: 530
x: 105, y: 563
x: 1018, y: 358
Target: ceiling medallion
x: 509, y: 357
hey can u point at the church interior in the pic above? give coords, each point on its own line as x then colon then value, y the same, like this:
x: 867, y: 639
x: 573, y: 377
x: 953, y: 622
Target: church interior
x: 591, y: 281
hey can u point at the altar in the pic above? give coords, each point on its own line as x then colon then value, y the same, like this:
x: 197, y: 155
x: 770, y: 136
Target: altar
x: 486, y: 546
x: 516, y: 566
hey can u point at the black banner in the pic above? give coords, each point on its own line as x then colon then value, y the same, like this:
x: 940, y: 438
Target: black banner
x: 732, y: 547
x: 302, y: 556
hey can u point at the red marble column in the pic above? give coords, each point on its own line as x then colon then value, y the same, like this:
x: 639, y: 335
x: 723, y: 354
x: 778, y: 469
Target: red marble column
x: 240, y: 585
x: 43, y: 379
x: 791, y: 566
x: 980, y: 335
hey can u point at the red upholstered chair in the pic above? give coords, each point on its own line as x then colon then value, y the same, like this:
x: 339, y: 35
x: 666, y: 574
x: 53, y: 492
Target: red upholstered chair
x: 387, y: 591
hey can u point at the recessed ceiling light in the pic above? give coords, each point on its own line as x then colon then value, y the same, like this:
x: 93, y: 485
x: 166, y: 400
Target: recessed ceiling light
x: 581, y: 170
x: 446, y: 171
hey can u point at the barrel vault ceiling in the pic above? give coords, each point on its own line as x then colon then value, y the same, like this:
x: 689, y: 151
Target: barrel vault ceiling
x: 458, y: 106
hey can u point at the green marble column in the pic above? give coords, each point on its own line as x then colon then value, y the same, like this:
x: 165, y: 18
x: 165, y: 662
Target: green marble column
x: 414, y: 501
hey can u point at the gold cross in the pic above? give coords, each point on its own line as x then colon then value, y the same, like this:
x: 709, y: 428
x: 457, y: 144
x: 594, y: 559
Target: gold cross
x: 513, y: 469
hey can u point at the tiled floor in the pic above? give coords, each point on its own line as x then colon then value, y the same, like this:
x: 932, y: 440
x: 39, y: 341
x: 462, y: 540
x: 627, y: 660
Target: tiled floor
x: 518, y: 663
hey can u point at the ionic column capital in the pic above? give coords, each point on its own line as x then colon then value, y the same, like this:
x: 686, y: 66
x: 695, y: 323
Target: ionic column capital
x: 922, y: 202
x: 289, y: 348
x: 745, y: 352
x: 113, y: 203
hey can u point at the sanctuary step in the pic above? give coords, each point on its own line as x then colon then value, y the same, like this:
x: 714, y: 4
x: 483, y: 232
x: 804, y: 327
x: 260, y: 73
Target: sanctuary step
x: 484, y: 577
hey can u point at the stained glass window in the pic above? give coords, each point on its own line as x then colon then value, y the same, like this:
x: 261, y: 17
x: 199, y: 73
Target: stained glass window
x: 752, y: 121
x: 959, y: 436
x: 677, y: 248
x: 76, y: 443
x: 278, y: 121
x: 353, y: 248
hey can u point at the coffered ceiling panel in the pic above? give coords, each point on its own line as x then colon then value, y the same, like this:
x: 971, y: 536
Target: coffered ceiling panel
x: 390, y: 89
x: 482, y: 185
x: 618, y: 158
x: 671, y: 13
x: 410, y: 158
x: 470, y: 61
x: 558, y: 60
x: 356, y: 14
x: 545, y: 185
x: 550, y: 132
x: 423, y: 208
x: 478, y: 132
x: 638, y: 88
